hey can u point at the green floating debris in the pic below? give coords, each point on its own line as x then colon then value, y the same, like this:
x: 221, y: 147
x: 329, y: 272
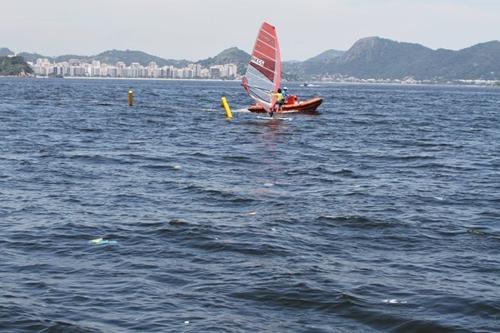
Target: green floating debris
x: 102, y: 241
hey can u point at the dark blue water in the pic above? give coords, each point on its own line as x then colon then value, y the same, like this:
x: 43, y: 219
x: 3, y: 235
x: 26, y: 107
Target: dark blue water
x: 381, y: 214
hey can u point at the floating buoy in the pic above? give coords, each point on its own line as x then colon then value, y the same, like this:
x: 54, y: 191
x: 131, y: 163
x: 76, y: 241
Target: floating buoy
x: 130, y: 97
x: 225, y: 105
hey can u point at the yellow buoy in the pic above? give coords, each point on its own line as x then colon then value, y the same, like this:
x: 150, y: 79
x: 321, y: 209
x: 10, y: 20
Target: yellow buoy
x: 225, y: 105
x: 130, y: 97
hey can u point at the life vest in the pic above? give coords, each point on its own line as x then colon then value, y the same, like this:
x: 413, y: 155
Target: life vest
x: 279, y: 97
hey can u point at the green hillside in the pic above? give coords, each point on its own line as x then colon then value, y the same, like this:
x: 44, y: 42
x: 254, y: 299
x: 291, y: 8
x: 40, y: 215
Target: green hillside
x: 14, y: 66
x: 232, y: 55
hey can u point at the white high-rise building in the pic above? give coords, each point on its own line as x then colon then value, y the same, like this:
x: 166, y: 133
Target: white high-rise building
x: 75, y: 67
x: 152, y: 66
x: 215, y: 72
x: 231, y: 70
x: 205, y: 73
x: 120, y: 69
x: 134, y: 70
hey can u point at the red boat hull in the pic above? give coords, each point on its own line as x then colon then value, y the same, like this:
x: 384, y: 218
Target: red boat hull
x: 307, y: 106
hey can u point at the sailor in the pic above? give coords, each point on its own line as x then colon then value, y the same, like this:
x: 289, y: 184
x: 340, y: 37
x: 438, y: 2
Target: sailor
x: 279, y: 102
x: 285, y: 95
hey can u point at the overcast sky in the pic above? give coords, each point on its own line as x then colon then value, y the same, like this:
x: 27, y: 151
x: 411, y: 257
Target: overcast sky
x: 196, y: 29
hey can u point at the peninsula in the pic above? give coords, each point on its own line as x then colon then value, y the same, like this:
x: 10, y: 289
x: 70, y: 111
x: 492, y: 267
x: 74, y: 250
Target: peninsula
x: 14, y: 65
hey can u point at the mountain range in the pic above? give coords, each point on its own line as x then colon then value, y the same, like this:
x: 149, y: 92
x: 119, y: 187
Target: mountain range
x: 371, y: 57
x: 376, y: 57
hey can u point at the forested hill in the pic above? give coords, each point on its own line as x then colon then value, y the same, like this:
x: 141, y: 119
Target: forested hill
x: 14, y: 66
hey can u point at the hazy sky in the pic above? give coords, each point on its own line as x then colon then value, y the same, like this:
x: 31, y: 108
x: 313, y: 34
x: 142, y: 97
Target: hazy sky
x: 196, y: 29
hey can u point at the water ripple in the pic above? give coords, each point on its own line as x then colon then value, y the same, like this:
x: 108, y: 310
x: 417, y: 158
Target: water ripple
x: 379, y: 214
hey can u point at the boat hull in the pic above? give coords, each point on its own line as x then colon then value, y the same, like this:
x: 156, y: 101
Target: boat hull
x: 307, y: 106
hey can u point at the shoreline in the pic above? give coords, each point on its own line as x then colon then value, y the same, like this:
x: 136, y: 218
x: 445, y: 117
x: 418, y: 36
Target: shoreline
x: 311, y: 84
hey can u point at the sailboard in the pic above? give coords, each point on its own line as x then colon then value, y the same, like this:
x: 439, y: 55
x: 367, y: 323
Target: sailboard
x: 263, y: 74
x: 274, y: 118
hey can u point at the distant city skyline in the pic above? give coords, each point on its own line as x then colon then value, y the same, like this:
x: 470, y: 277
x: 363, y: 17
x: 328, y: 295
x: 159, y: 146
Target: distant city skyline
x: 198, y: 29
x: 96, y: 68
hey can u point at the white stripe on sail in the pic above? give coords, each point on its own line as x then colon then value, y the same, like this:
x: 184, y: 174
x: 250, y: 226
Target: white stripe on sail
x: 265, y: 56
x: 271, y: 46
x: 267, y: 33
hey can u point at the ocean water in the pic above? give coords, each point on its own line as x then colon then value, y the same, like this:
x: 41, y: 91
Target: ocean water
x: 381, y: 214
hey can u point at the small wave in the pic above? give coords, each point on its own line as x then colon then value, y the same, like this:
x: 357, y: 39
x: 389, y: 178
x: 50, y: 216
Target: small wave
x: 484, y: 232
x: 399, y: 323
x: 162, y: 167
x: 298, y: 296
x: 437, y: 165
x: 415, y: 157
x: 136, y: 142
x: 218, y: 194
x: 253, y: 249
x: 16, y: 318
x: 89, y: 130
x: 178, y: 222
x: 345, y: 172
x: 437, y: 144
x: 144, y: 158
x: 402, y: 157
x: 297, y: 172
x: 355, y: 221
x: 156, y: 122
x: 237, y: 158
x: 97, y: 159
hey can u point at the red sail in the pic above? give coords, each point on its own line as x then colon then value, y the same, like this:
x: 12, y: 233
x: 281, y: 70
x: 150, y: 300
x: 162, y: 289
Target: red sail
x: 263, y: 76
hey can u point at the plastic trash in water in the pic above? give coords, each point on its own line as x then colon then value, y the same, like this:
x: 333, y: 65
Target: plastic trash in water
x: 102, y: 241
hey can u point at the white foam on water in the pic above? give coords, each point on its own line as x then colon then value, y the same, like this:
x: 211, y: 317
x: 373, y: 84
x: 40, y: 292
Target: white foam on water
x: 102, y: 241
x: 241, y: 111
x: 394, y: 301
